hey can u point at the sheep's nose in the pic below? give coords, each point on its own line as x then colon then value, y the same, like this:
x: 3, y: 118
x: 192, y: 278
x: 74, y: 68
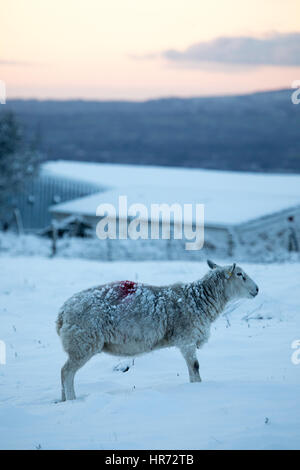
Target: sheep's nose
x: 257, y: 289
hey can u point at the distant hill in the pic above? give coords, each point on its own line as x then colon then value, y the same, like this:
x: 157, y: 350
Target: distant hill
x: 256, y: 132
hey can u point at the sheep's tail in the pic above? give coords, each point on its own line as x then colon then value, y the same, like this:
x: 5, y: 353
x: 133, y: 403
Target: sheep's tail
x: 59, y: 321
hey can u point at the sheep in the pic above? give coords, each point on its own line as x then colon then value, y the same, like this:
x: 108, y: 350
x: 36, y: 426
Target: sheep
x: 128, y: 318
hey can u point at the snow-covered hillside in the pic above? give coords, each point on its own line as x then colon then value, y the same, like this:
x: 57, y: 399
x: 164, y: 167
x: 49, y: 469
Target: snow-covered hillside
x: 249, y: 397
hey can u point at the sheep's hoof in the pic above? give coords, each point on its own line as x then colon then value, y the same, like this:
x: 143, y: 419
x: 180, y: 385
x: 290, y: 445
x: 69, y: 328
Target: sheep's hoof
x: 197, y: 380
x: 123, y: 366
x: 58, y: 400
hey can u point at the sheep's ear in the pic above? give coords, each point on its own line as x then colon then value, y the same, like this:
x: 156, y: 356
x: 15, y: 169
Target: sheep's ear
x: 211, y: 264
x: 230, y: 271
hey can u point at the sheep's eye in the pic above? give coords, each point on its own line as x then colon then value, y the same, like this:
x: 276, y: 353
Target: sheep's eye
x: 239, y: 274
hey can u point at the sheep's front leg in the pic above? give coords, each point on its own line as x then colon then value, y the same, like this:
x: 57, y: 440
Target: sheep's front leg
x: 189, y: 354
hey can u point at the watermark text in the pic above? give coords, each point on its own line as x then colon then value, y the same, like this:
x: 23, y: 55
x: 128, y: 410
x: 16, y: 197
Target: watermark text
x: 296, y: 354
x: 296, y: 94
x: 160, y: 221
x: 2, y: 92
x: 2, y: 353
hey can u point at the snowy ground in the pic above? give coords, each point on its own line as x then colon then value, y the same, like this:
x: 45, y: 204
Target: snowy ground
x: 249, y: 397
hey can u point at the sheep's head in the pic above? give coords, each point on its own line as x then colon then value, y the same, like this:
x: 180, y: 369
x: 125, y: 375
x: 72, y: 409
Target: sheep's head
x: 238, y: 283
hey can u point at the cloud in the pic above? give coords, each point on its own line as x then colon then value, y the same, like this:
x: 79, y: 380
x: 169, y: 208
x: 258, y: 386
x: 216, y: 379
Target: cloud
x: 149, y: 56
x: 276, y: 49
x: 15, y: 63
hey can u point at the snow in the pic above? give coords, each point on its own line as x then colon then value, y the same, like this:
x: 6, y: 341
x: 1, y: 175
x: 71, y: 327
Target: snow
x: 231, y: 211
x: 229, y: 197
x: 249, y: 397
x: 119, y: 175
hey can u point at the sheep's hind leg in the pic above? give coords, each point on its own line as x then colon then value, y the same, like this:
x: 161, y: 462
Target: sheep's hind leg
x: 68, y: 372
x: 189, y: 354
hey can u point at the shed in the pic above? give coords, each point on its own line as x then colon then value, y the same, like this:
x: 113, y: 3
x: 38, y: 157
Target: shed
x: 249, y: 212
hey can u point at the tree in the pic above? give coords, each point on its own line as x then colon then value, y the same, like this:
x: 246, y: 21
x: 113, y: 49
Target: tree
x: 18, y: 163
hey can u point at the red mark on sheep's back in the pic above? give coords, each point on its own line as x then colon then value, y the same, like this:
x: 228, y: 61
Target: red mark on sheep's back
x: 127, y: 287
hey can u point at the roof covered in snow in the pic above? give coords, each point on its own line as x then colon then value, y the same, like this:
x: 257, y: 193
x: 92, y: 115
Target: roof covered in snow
x: 229, y: 197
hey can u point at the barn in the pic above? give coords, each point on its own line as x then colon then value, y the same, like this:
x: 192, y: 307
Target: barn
x: 248, y: 215
x: 30, y: 206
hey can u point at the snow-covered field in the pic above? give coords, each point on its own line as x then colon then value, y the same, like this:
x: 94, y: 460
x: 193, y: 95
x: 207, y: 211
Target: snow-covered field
x: 249, y: 397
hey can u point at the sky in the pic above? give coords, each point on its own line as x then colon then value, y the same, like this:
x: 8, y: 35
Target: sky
x: 141, y: 49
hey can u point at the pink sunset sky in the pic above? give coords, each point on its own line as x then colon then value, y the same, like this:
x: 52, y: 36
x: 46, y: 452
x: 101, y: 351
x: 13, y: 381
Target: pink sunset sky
x: 140, y: 49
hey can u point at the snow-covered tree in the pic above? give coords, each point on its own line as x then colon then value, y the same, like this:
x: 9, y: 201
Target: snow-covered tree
x: 18, y: 163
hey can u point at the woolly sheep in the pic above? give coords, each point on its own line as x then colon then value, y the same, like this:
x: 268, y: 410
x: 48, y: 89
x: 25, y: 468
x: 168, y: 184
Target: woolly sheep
x: 128, y: 318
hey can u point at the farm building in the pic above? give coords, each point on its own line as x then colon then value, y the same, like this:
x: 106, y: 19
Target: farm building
x: 244, y: 213
x: 31, y: 205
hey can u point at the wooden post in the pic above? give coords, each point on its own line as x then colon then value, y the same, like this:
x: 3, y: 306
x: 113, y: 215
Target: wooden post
x: 53, y: 238
x: 19, y: 222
